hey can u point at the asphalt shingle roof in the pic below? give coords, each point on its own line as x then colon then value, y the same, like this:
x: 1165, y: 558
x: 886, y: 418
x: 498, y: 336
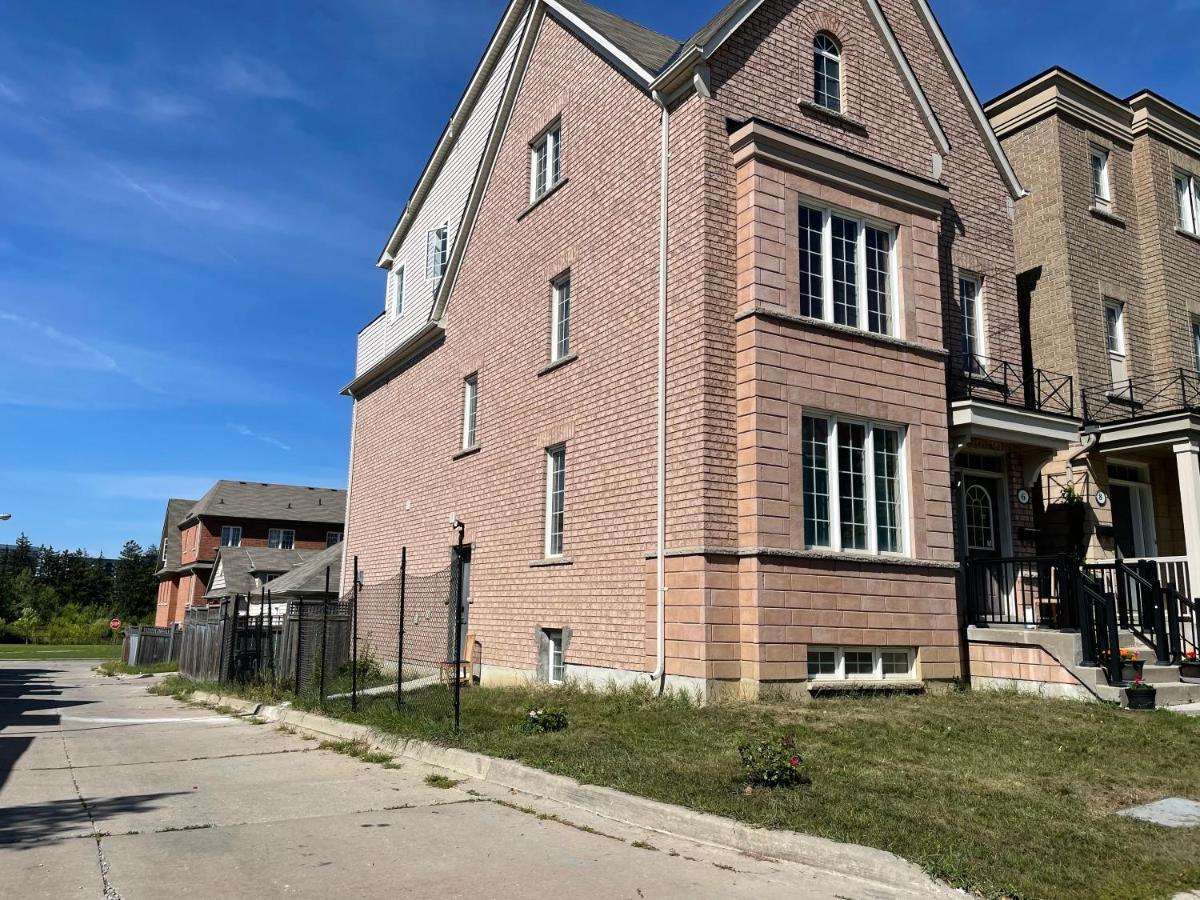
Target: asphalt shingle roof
x: 276, y: 502
x: 309, y: 576
x: 239, y: 566
x: 648, y: 48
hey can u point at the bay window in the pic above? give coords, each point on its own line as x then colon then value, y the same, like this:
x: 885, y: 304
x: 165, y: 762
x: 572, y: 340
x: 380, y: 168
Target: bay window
x: 847, y: 271
x: 852, y: 485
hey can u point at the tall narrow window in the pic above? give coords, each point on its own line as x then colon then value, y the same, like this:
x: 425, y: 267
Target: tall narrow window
x: 1187, y: 196
x: 437, y: 251
x: 1114, y: 339
x: 556, y: 495
x: 545, y: 163
x: 560, y: 330
x: 972, y: 324
x: 847, y: 270
x: 827, y: 73
x: 812, y: 290
x: 1196, y: 343
x: 397, y: 293
x: 231, y: 536
x: 470, y: 397
x: 1101, y: 196
x: 553, y: 643
x: 853, y: 497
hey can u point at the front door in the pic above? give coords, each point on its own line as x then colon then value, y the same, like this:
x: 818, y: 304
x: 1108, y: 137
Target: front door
x: 983, y: 538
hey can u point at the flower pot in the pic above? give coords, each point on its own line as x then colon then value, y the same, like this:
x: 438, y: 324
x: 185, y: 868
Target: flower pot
x: 1131, y: 670
x: 1190, y: 672
x: 1141, y: 699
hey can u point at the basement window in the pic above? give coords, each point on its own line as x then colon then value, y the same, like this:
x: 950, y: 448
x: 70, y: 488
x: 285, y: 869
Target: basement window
x: 860, y: 663
x: 552, y: 655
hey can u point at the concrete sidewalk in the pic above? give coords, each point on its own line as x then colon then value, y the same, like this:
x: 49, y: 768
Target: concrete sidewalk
x: 107, y: 791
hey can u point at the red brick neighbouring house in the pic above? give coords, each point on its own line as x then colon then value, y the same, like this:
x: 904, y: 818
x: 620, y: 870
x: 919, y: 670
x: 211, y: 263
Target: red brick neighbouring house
x: 239, y: 514
x: 831, y: 181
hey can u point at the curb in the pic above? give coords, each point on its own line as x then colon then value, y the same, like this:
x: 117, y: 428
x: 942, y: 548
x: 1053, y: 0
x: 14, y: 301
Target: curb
x: 866, y: 863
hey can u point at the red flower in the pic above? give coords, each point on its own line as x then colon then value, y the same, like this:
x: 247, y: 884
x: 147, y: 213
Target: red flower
x: 795, y: 760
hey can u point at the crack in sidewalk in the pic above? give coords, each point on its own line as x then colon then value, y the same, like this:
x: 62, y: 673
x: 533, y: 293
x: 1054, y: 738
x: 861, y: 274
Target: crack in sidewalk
x: 163, y: 762
x: 110, y: 892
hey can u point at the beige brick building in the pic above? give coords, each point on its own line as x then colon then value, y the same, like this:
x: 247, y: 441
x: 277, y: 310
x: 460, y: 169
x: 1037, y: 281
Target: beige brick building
x: 832, y: 192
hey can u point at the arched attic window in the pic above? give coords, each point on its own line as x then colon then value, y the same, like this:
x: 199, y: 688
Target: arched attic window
x: 827, y: 72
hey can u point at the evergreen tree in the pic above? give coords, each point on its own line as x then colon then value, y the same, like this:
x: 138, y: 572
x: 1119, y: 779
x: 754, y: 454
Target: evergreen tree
x: 134, y: 588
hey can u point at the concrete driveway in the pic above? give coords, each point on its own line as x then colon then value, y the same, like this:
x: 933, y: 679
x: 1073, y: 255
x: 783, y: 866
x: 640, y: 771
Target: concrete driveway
x: 108, y: 791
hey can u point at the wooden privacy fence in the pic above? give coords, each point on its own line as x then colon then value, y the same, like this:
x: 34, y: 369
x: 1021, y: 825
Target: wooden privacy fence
x: 146, y: 645
x: 202, y: 650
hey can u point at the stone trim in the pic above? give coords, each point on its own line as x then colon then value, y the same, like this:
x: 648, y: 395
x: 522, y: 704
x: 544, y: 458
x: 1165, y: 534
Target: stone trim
x: 816, y: 555
x: 557, y: 364
x: 846, y: 330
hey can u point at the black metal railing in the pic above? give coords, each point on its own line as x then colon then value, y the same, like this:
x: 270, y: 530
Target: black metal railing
x: 1142, y: 397
x: 981, y: 378
x: 1097, y: 599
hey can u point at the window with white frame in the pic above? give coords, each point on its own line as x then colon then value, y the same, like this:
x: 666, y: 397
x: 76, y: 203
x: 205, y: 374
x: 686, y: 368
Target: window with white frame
x: 396, y: 295
x: 847, y: 270
x: 333, y: 537
x: 553, y: 664
x: 437, y: 251
x: 861, y: 663
x: 470, y: 398
x: 231, y: 535
x: 1114, y: 339
x: 1101, y: 195
x: 827, y: 73
x: 556, y: 495
x: 281, y: 538
x: 545, y: 162
x: 1187, y: 199
x: 852, y: 473
x: 560, y: 319
x: 970, y: 301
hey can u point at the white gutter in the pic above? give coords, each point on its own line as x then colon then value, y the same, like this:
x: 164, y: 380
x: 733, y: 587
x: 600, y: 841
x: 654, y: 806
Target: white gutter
x: 660, y: 668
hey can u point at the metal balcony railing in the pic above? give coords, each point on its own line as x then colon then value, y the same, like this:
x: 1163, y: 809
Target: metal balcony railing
x: 981, y: 378
x: 1142, y: 397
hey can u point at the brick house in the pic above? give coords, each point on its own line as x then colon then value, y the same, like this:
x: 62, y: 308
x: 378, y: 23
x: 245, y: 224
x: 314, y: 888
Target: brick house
x: 241, y: 514
x: 832, y: 183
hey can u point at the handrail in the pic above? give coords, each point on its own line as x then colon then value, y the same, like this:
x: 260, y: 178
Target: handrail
x: 975, y: 376
x: 1141, y: 397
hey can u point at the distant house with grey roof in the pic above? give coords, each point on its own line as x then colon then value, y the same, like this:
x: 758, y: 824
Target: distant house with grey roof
x: 278, y: 525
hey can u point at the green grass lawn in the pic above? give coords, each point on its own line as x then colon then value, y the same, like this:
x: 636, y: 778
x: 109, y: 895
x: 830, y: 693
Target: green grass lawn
x: 116, y: 667
x: 60, y: 651
x: 1000, y: 794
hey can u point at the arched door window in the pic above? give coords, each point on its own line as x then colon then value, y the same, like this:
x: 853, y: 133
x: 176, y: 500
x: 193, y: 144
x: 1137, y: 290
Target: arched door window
x: 981, y: 533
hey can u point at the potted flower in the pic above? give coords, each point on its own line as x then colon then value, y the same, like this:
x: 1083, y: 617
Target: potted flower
x: 1189, y: 669
x: 1140, y: 694
x: 1131, y: 666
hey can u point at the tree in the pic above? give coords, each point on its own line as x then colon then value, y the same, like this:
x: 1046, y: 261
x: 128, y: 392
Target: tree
x: 20, y: 556
x: 27, y: 623
x: 134, y: 588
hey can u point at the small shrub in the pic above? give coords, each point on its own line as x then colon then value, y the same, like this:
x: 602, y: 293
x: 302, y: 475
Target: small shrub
x: 541, y: 721
x: 772, y: 762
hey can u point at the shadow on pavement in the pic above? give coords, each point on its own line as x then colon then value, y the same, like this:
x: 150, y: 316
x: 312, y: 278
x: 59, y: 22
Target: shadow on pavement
x: 29, y: 698
x: 36, y: 825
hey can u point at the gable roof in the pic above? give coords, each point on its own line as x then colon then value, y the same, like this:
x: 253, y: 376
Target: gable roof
x: 309, y: 576
x: 278, y: 502
x: 171, y: 545
x: 238, y: 566
x: 647, y: 48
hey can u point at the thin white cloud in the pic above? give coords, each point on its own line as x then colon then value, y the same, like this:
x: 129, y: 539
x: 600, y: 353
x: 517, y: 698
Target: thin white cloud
x: 265, y: 438
x: 118, y: 486
x: 10, y: 93
x: 249, y: 76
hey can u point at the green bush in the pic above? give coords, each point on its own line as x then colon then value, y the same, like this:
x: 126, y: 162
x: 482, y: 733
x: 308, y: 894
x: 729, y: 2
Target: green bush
x: 541, y: 721
x: 772, y: 762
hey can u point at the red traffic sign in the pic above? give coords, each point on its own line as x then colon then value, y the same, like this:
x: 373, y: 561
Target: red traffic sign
x: 115, y: 624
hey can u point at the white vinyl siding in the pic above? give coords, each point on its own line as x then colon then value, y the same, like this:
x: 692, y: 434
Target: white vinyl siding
x: 281, y: 538
x: 853, y: 485
x: 847, y: 270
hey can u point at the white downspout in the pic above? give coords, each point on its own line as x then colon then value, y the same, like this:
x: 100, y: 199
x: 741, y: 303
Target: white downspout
x: 660, y: 669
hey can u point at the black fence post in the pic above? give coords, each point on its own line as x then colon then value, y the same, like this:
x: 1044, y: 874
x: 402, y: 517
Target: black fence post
x: 354, y: 641
x: 458, y: 599
x: 299, y: 632
x: 400, y: 630
x: 1073, y: 576
x: 324, y: 638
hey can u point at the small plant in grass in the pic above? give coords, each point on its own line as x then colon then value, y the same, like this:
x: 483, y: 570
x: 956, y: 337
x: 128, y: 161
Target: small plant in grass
x: 772, y: 762
x: 541, y: 721
x: 441, y: 781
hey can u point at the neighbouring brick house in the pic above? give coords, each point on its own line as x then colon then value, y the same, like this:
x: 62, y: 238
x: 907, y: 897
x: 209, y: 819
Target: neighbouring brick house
x: 832, y: 193
x: 240, y: 514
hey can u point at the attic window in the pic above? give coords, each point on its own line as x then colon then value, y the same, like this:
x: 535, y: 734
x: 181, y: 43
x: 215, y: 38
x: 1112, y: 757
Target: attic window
x: 827, y: 72
x: 545, y: 162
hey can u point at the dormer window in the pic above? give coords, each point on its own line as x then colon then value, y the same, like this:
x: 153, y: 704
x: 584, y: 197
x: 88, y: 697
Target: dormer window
x: 827, y: 73
x: 545, y: 162
x: 437, y: 250
x: 396, y: 294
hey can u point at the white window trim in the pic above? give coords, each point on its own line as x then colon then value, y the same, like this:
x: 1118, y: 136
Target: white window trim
x: 1101, y: 199
x: 980, y: 316
x: 841, y: 79
x: 236, y: 531
x: 430, y: 274
x: 835, y: 512
x: 279, y: 545
x: 547, y: 547
x: 470, y: 409
x: 860, y: 266
x: 1142, y: 493
x: 554, y: 651
x: 556, y: 287
x: 1118, y: 358
x: 1189, y: 204
x: 839, y: 673
x: 340, y: 535
x: 396, y: 292
x: 1196, y: 342
x: 551, y: 139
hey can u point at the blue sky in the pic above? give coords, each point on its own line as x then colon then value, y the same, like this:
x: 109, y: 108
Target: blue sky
x: 192, y: 197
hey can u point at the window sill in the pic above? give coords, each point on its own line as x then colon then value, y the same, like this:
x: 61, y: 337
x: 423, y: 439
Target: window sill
x: 551, y: 562
x: 1187, y: 234
x: 835, y: 118
x: 1106, y: 215
x: 469, y: 451
x: 1123, y: 400
x: 542, y: 199
x: 846, y: 330
x: 845, y: 685
x: 557, y: 364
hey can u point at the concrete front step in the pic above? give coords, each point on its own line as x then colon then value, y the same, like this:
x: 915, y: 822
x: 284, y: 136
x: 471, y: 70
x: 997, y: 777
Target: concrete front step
x: 1166, y: 695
